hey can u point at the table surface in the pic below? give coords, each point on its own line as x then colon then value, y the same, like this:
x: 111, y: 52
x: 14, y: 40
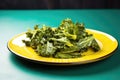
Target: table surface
x: 13, y: 22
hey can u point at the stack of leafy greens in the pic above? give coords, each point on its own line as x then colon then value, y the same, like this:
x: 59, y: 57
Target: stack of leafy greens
x: 68, y: 40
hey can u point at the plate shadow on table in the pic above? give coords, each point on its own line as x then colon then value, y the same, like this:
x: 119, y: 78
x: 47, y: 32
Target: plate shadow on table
x: 77, y: 70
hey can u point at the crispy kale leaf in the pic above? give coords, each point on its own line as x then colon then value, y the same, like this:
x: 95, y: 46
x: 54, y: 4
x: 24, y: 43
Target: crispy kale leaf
x: 68, y: 40
x: 46, y: 50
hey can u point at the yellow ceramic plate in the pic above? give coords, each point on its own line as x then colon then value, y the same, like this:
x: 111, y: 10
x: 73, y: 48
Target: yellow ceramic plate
x: 107, y: 43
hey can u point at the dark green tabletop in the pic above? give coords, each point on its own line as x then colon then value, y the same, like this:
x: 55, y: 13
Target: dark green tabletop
x: 13, y: 22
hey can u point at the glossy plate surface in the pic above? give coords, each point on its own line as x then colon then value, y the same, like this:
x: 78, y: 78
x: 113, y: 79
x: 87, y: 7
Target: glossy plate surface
x: 107, y: 43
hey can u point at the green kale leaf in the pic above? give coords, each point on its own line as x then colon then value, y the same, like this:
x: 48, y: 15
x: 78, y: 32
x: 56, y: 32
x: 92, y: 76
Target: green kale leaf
x: 68, y: 40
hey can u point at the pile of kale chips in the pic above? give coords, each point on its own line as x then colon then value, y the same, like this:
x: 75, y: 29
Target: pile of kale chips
x: 68, y: 40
